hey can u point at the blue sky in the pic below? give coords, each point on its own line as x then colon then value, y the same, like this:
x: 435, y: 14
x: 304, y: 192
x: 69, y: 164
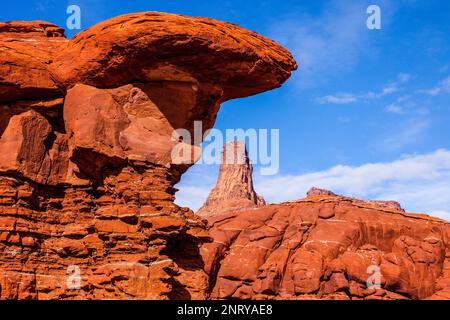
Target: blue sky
x: 367, y: 114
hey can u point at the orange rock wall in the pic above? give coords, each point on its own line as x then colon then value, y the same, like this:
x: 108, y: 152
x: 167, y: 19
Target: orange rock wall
x: 322, y: 247
x: 86, y: 172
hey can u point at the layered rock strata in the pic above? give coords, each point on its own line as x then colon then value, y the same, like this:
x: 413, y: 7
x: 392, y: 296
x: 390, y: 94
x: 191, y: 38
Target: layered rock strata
x: 86, y: 138
x: 234, y: 189
x: 328, y: 247
x: 314, y: 192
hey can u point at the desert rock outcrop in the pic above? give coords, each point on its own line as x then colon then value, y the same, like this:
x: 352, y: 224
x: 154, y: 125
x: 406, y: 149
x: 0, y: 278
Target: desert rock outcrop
x: 314, y: 192
x: 234, y: 189
x: 328, y: 246
x: 86, y: 173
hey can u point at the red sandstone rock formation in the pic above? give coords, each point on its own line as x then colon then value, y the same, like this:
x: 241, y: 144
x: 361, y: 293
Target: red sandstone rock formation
x: 314, y: 192
x: 234, y: 189
x: 86, y: 176
x: 326, y: 247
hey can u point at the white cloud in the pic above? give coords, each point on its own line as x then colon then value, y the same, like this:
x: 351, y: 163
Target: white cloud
x: 400, y: 105
x: 390, y: 89
x: 341, y: 98
x: 394, y: 108
x: 403, y: 134
x: 443, y: 87
x: 347, y: 98
x: 432, y: 92
x: 409, y: 104
x: 421, y: 183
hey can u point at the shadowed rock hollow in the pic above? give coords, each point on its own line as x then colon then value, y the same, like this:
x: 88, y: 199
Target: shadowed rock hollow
x: 86, y: 174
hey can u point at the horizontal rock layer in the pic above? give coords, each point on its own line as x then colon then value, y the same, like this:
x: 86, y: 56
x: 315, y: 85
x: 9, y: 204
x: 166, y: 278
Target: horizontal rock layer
x: 234, y: 189
x: 87, y: 171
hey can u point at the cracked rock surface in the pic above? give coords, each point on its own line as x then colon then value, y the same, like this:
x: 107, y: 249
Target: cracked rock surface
x: 234, y: 189
x: 86, y: 173
x: 326, y: 247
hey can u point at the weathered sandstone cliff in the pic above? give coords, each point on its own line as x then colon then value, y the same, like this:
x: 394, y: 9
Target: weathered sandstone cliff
x: 86, y: 173
x: 326, y: 246
x: 87, y: 178
x: 234, y: 190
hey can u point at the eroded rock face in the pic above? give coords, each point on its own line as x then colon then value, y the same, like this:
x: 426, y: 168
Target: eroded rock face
x: 234, y: 189
x: 327, y: 247
x: 86, y: 173
x: 27, y: 50
x: 317, y: 192
x: 151, y: 46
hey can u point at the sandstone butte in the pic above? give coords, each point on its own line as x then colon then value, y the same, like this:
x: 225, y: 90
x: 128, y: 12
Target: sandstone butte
x: 325, y: 246
x: 86, y: 177
x: 234, y: 190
